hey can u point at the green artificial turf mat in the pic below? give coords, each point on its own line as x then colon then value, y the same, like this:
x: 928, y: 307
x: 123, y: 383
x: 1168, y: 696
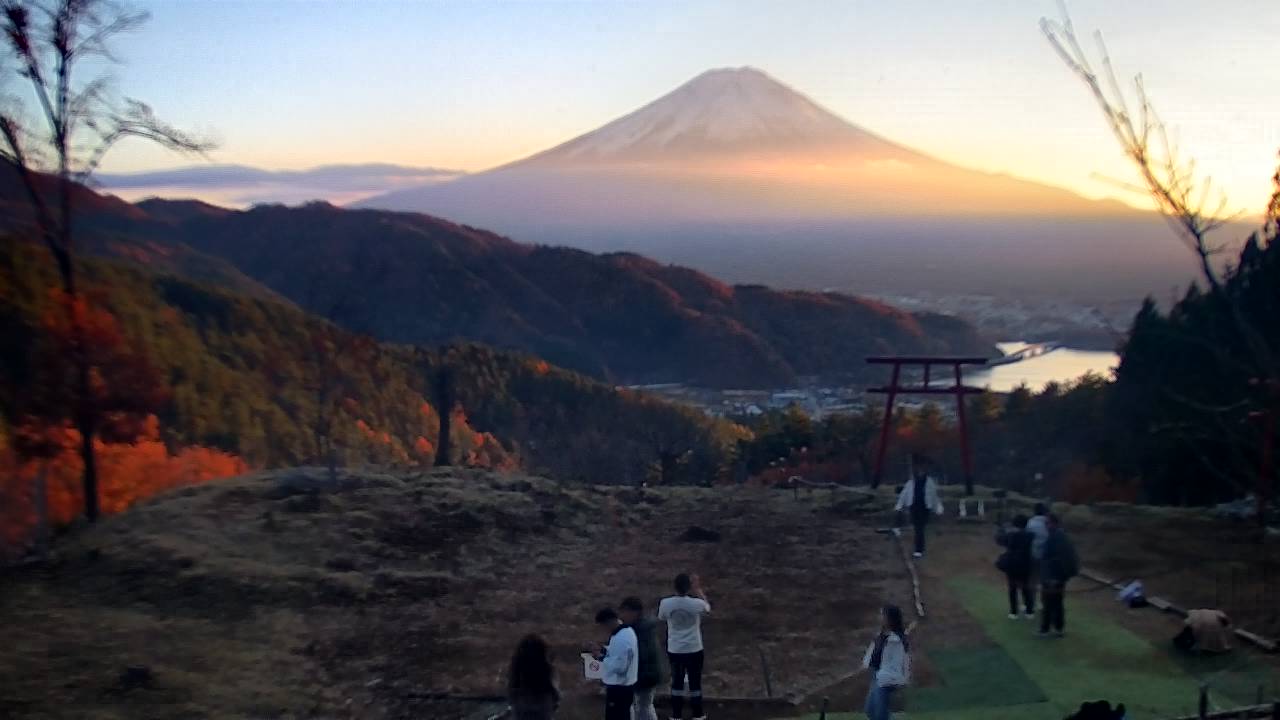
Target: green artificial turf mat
x: 983, y: 676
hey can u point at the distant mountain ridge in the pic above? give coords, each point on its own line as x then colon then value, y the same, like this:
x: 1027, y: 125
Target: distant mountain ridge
x: 620, y: 317
x: 243, y: 185
x: 417, y: 279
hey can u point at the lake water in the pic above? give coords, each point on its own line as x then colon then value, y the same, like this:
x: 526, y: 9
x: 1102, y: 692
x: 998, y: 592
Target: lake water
x: 1062, y: 365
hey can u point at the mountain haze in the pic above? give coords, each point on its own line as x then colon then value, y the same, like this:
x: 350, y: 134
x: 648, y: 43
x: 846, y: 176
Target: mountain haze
x: 736, y: 174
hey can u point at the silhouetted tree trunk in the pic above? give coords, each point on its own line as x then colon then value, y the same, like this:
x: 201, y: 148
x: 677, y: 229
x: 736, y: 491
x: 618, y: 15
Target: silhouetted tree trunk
x: 445, y: 401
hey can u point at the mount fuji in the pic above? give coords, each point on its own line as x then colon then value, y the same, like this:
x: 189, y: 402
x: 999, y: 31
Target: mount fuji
x: 739, y: 175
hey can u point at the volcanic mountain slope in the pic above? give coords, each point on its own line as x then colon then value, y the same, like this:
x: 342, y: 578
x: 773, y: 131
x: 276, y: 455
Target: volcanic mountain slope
x: 739, y: 175
x: 731, y: 144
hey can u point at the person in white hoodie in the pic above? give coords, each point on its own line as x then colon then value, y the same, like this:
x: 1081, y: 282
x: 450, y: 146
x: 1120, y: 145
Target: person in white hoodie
x: 620, y: 666
x: 889, y: 661
x: 920, y: 497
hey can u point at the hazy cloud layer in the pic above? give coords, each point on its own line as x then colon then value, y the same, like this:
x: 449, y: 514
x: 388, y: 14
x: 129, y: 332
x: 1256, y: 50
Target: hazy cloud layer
x: 241, y: 186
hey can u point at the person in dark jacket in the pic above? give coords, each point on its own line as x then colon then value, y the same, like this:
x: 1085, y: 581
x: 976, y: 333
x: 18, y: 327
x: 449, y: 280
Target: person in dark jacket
x: 1015, y: 563
x: 1058, y: 565
x: 649, y: 675
x: 531, y: 683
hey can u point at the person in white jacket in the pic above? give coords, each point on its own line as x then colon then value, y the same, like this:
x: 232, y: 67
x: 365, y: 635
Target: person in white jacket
x: 920, y: 497
x: 620, y: 666
x: 889, y: 661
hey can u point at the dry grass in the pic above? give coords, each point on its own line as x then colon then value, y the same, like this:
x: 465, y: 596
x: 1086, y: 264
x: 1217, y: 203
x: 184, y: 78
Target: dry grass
x: 283, y: 595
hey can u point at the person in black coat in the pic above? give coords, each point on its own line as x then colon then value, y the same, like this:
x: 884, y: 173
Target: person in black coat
x: 1016, y: 563
x: 1058, y: 565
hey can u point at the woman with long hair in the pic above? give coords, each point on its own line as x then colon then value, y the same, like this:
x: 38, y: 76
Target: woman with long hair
x: 888, y: 661
x: 531, y: 681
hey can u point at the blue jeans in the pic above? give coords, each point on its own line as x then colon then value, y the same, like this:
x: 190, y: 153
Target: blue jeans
x: 878, y: 702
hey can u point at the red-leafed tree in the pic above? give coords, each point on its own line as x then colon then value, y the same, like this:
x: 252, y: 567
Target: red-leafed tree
x: 79, y: 338
x: 65, y: 129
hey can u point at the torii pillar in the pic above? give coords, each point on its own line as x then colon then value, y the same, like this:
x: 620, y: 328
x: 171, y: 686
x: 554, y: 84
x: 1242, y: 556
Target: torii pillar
x: 895, y: 388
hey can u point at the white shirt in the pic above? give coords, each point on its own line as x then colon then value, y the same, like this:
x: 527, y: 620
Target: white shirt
x: 683, y: 615
x: 621, y: 664
x: 895, y: 664
x: 931, y: 500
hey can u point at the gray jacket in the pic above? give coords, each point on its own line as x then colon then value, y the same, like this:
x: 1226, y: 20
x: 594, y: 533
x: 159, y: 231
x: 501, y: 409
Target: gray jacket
x: 1038, y: 526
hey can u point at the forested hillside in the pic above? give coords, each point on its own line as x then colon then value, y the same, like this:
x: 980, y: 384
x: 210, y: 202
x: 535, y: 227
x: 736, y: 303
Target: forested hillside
x: 262, y: 384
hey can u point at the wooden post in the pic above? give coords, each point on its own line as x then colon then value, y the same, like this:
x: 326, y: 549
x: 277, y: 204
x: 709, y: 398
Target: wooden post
x: 965, y: 454
x: 764, y: 666
x: 888, y: 423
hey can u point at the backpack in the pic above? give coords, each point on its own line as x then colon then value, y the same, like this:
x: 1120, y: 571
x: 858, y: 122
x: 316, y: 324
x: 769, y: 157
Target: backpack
x: 1070, y: 560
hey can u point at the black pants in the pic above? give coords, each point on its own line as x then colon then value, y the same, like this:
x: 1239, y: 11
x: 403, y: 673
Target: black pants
x: 921, y: 522
x: 1021, y: 584
x: 617, y: 702
x: 1054, y: 616
x: 686, y: 664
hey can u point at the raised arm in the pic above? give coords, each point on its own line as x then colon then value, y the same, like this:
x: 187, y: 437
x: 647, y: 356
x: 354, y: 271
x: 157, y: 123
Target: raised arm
x: 698, y: 592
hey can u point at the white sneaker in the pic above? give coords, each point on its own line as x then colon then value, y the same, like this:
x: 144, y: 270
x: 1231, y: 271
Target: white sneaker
x: 1028, y: 616
x: 916, y: 555
x: 1013, y: 616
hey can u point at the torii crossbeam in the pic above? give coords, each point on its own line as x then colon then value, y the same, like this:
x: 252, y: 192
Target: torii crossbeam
x: 894, y: 389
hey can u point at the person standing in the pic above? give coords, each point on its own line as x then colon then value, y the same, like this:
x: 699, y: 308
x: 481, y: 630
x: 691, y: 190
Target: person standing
x: 683, y: 614
x: 1059, y: 564
x: 889, y: 661
x: 920, y: 497
x: 1038, y: 526
x: 1016, y: 564
x: 619, y: 666
x: 531, y: 687
x: 649, y: 674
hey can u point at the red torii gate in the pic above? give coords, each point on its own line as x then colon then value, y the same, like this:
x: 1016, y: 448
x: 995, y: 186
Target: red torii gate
x: 894, y: 389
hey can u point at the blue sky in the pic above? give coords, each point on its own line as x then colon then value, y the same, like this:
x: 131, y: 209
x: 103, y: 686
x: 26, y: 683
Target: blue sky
x: 472, y: 84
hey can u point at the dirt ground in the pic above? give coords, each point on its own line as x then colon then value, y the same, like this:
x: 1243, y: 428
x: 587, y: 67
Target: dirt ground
x: 284, y: 595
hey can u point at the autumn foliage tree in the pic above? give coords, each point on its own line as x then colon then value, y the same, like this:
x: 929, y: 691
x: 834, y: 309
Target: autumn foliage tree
x: 67, y: 131
x: 123, y: 387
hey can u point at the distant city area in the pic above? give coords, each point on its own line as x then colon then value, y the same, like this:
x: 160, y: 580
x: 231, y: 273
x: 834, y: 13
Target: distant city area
x: 815, y: 399
x: 1086, y: 326
x: 1035, y: 365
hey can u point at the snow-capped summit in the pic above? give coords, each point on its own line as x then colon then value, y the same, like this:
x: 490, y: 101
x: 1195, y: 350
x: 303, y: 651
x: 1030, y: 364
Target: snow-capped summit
x: 726, y: 110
